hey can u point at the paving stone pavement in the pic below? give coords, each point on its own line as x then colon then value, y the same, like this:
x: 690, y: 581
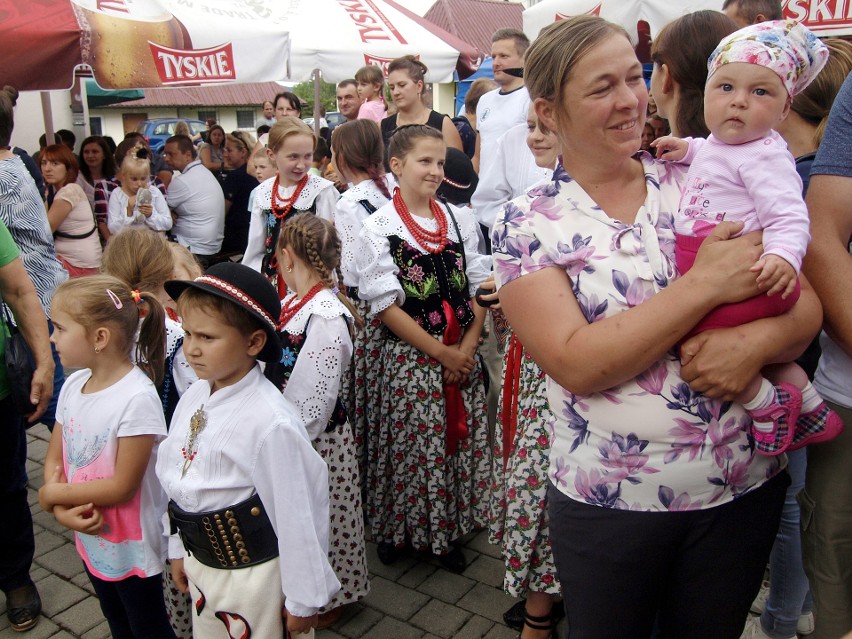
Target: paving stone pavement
x: 412, y: 599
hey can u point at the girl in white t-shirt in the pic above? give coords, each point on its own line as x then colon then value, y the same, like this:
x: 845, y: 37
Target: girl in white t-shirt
x: 99, y: 468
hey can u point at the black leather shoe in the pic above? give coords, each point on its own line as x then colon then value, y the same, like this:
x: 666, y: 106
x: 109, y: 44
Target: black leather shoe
x: 514, y: 616
x: 387, y: 553
x: 23, y: 607
x: 454, y: 561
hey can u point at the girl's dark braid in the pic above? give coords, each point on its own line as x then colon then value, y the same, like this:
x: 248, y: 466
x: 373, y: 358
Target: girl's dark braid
x: 378, y: 179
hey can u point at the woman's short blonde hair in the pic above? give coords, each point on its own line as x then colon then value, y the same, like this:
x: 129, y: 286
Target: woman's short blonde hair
x: 557, y: 50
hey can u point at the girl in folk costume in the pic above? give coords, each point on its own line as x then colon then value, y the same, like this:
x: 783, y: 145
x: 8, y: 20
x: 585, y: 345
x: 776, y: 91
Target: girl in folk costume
x: 314, y: 328
x: 99, y: 468
x: 143, y: 259
x: 418, y: 267
x: 519, y: 522
x: 292, y: 191
x: 357, y: 153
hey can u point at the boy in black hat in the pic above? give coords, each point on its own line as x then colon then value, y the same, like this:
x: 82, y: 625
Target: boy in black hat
x: 249, y: 495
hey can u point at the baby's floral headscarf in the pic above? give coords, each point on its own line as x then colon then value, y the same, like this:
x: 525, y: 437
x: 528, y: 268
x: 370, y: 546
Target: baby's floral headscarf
x: 786, y: 47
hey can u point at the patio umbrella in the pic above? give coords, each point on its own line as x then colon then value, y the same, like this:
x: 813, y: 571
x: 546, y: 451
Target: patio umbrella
x: 823, y: 17
x: 98, y: 97
x: 133, y: 44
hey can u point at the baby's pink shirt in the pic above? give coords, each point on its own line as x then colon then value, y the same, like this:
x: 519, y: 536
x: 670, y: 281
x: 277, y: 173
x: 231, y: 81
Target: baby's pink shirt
x: 755, y: 183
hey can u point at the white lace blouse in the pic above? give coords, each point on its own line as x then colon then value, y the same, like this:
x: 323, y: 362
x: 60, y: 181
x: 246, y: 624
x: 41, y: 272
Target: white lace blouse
x: 314, y: 384
x: 349, y: 216
x: 378, y: 283
x: 317, y: 189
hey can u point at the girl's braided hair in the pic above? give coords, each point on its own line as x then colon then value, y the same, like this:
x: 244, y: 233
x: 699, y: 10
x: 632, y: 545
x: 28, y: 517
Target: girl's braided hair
x: 315, y: 242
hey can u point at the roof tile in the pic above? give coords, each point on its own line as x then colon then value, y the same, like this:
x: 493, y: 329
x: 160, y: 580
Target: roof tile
x: 476, y: 20
x: 219, y: 95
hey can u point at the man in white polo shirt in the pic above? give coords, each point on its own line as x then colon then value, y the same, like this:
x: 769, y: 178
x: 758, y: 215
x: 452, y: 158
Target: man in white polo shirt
x: 497, y: 112
x: 196, y: 200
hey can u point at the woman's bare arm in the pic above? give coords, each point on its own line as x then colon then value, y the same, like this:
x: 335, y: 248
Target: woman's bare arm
x: 585, y: 358
x: 828, y: 263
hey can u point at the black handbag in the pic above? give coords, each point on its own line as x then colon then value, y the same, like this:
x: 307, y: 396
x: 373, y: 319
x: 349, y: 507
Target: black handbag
x: 19, y: 365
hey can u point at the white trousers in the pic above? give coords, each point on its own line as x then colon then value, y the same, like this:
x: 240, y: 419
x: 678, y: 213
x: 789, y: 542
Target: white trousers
x: 237, y: 604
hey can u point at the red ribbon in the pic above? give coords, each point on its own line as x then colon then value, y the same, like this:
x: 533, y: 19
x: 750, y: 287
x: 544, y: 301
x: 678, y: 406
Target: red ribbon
x: 509, y: 405
x: 453, y: 402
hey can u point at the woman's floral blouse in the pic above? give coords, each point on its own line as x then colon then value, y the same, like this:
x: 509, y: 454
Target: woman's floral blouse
x: 650, y: 443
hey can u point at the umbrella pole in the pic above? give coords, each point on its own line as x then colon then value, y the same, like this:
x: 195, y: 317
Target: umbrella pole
x: 47, y: 113
x: 317, y: 98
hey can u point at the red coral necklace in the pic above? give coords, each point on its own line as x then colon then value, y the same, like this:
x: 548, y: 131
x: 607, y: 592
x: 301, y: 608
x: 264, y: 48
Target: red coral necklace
x: 424, y: 237
x: 278, y: 210
x: 293, y: 306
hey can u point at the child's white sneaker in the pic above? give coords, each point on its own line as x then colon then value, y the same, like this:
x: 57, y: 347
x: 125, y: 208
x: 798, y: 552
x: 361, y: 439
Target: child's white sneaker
x: 753, y: 630
x: 805, y: 625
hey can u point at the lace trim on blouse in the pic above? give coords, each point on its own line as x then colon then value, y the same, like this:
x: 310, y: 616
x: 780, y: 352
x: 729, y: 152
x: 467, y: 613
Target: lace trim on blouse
x: 325, y: 304
x: 306, y: 198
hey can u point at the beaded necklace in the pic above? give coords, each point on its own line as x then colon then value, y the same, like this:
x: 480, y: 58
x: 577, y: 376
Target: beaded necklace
x: 290, y: 308
x: 424, y: 237
x: 278, y: 210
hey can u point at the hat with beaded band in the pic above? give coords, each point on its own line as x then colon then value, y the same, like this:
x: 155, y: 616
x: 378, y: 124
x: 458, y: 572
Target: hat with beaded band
x: 246, y: 288
x: 460, y: 180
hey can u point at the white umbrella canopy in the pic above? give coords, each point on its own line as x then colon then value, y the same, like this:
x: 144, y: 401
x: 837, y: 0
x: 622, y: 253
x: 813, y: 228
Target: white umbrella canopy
x: 132, y: 44
x: 823, y: 17
x: 340, y: 36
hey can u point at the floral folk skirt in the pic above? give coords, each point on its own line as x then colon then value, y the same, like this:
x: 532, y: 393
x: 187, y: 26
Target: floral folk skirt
x: 361, y: 388
x: 518, y: 501
x: 346, y: 516
x: 415, y: 490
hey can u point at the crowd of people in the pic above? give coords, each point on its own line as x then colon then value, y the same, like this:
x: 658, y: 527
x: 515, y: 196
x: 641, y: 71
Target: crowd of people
x: 577, y: 315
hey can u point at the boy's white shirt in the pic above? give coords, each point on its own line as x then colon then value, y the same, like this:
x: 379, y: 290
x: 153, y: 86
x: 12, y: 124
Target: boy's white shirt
x: 254, y: 442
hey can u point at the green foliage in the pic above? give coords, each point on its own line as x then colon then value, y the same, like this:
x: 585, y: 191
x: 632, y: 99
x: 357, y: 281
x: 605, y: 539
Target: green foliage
x: 328, y: 96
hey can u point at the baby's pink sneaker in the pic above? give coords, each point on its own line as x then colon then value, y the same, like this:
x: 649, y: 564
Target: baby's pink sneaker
x: 783, y: 414
x: 820, y: 425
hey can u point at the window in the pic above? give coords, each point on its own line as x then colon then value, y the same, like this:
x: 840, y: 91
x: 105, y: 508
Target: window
x: 96, y: 125
x: 245, y: 119
x: 205, y: 115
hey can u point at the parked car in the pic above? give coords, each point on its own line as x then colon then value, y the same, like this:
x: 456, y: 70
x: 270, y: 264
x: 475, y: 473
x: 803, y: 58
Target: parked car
x: 159, y: 130
x: 331, y: 120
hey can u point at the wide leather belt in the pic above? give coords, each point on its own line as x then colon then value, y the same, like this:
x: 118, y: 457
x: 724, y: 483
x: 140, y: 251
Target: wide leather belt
x: 235, y: 537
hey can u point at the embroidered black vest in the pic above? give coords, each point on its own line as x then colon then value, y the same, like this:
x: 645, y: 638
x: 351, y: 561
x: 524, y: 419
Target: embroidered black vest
x: 429, y: 279
x: 279, y: 373
x: 269, y: 263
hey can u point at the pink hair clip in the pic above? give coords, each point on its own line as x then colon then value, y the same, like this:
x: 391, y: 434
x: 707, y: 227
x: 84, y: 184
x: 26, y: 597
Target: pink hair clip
x: 115, y: 300
x: 136, y: 295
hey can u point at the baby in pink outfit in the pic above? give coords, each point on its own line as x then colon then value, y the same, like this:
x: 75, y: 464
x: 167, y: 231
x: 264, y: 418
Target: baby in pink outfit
x: 743, y: 172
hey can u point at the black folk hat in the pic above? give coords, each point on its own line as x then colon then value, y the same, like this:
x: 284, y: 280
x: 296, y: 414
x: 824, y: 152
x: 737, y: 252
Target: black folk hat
x: 246, y: 288
x: 460, y: 179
